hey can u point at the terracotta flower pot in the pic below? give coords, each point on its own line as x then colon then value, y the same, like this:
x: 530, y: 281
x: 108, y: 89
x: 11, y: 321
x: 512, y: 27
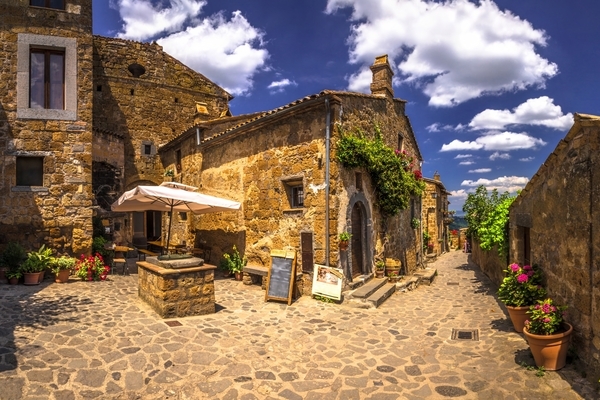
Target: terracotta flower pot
x: 13, y: 281
x: 518, y: 316
x: 239, y: 276
x: 379, y: 273
x: 550, y: 351
x: 62, y: 276
x: 31, y: 278
x: 343, y: 245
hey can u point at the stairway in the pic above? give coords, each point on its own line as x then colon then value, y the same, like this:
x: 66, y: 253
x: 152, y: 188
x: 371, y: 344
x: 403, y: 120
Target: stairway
x: 371, y: 294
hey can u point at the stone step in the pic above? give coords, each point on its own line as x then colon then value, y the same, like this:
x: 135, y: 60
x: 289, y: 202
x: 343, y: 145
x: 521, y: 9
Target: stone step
x: 426, y: 276
x: 381, y: 294
x: 408, y: 284
x: 367, y: 289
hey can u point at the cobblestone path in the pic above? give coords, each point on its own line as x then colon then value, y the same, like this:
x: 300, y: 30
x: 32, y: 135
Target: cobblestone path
x: 100, y: 341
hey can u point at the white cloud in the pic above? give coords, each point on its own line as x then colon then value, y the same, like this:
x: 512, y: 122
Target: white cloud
x: 466, y: 163
x: 541, y: 111
x: 500, y: 156
x: 143, y: 20
x: 279, y: 86
x: 463, y: 156
x: 455, y: 50
x: 437, y: 127
x: 503, y: 141
x: 527, y: 159
x: 228, y: 52
x: 459, y: 194
x: 503, y: 184
x: 480, y: 170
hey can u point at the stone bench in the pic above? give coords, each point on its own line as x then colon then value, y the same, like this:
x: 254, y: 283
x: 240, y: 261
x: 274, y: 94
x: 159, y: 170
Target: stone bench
x: 254, y: 274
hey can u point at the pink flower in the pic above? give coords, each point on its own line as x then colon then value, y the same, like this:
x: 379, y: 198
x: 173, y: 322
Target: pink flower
x: 527, y: 268
x: 522, y: 278
x: 514, y: 267
x: 546, y: 320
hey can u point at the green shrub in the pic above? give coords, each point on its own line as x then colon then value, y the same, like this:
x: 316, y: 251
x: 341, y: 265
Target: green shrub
x: 233, y: 262
x: 13, y: 256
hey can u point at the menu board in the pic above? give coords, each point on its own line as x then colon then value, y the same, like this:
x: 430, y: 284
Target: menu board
x: 281, y: 276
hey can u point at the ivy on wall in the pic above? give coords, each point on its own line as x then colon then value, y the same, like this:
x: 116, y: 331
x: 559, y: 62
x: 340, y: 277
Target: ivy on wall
x: 393, y: 172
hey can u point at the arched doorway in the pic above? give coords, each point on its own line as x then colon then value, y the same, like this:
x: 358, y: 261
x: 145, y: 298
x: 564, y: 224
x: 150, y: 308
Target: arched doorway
x: 360, y: 225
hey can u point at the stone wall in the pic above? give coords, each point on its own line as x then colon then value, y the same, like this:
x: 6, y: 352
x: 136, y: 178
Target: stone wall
x: 558, y: 208
x: 176, y: 293
x: 152, y: 108
x: 58, y: 213
x: 489, y: 261
x: 435, y: 207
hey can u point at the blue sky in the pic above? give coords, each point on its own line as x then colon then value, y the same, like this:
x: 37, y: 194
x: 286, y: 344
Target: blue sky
x: 491, y: 85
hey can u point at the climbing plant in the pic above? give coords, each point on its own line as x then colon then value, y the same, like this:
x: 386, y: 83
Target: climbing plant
x: 392, y: 172
x: 487, y: 217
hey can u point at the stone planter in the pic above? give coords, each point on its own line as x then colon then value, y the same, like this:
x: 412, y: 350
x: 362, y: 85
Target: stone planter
x: 518, y: 316
x: 550, y: 351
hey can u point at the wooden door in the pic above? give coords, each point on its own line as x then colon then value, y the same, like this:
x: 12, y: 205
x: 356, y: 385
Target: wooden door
x: 356, y: 246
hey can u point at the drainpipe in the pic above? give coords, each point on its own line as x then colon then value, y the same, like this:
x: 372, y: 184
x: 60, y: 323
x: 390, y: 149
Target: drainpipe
x: 327, y: 139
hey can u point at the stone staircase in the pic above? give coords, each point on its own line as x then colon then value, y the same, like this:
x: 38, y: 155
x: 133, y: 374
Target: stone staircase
x: 371, y: 292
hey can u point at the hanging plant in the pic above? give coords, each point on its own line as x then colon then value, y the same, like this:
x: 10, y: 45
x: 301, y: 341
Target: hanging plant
x: 393, y: 172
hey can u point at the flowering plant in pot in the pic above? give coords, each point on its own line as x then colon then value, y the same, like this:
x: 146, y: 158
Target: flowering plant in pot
x: 61, y: 267
x: 548, y: 334
x: 520, y: 288
x: 235, y: 263
x: 344, y: 239
x: 91, y: 268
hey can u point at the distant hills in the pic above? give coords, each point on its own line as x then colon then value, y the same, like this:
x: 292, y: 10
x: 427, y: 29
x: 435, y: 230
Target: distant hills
x: 458, y: 223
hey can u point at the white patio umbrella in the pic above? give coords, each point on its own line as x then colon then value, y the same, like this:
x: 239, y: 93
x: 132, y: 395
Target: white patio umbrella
x: 171, y: 196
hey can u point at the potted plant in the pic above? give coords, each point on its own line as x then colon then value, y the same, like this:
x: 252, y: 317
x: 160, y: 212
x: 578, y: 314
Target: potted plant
x: 415, y: 223
x: 393, y: 277
x: 235, y: 263
x: 548, y: 334
x: 12, y: 257
x: 91, y: 268
x: 13, y: 276
x: 344, y: 238
x: 520, y: 288
x: 379, y: 268
x: 61, y: 267
x: 34, y: 266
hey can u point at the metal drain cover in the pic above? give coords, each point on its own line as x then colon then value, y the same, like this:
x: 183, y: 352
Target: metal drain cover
x: 465, y: 334
x: 173, y: 323
x: 452, y: 283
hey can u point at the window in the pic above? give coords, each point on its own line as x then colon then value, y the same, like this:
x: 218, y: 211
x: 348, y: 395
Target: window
x: 358, y: 181
x: 400, y: 142
x: 297, y: 196
x: 147, y: 148
x: 178, y: 161
x: 58, y: 4
x: 30, y: 171
x: 47, y: 79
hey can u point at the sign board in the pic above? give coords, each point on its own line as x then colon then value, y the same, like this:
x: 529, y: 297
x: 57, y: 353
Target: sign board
x: 327, y: 281
x: 281, y: 276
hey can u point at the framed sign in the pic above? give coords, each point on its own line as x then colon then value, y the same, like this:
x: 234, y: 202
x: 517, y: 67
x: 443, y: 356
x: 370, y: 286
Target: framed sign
x: 327, y: 281
x: 281, y: 276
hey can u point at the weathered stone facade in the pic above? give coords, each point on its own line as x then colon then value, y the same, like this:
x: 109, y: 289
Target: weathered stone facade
x: 261, y: 158
x: 58, y: 212
x: 435, y: 218
x: 553, y: 223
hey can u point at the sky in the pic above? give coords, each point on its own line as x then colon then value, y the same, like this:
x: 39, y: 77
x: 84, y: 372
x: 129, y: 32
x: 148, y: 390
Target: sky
x: 491, y: 86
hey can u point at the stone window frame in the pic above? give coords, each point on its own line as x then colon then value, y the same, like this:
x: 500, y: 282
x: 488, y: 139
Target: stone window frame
x: 41, y: 154
x: 291, y: 185
x: 49, y: 5
x: 143, y: 148
x: 28, y: 41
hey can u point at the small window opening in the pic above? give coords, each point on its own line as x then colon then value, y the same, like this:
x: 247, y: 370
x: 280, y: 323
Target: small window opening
x: 358, y: 180
x: 99, y: 88
x: 30, y: 171
x: 147, y: 149
x: 176, y: 100
x: 297, y: 196
x: 400, y: 142
x: 132, y: 92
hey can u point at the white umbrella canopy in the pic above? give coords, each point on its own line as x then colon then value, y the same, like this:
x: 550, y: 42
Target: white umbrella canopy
x: 171, y: 196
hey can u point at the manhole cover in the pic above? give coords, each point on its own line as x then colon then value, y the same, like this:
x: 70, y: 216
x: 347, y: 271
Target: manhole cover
x: 173, y: 323
x: 452, y: 283
x: 465, y: 334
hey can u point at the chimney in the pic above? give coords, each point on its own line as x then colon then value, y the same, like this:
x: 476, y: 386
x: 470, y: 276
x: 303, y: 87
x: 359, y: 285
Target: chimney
x: 436, y: 176
x: 382, y: 77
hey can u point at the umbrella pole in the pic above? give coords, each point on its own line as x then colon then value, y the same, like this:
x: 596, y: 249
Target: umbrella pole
x: 169, y: 232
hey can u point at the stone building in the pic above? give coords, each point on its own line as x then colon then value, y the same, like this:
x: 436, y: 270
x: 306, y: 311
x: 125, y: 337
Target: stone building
x: 553, y: 224
x: 281, y: 166
x: 81, y: 117
x: 435, y: 216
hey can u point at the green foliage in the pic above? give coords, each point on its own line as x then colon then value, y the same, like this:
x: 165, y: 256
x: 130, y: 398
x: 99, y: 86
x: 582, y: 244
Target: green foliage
x: 415, y: 223
x: 91, y: 268
x: 10, y: 274
x: 426, y: 238
x: 521, y: 286
x: 487, y: 217
x: 62, y: 263
x: 345, y: 236
x: 233, y: 262
x: 98, y: 228
x: 37, y: 261
x: 98, y: 247
x: 13, y: 256
x: 323, y: 299
x: 393, y: 173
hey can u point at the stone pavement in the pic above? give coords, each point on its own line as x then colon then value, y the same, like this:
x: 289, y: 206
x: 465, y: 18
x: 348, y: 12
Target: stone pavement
x: 85, y: 340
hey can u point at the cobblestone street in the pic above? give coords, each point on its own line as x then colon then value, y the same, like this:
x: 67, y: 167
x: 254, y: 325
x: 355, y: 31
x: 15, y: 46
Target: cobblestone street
x: 99, y: 340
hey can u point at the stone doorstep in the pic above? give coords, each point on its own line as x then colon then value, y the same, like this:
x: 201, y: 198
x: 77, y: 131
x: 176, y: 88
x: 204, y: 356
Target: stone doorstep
x: 408, y: 284
x: 426, y: 276
x: 381, y: 294
x: 367, y: 289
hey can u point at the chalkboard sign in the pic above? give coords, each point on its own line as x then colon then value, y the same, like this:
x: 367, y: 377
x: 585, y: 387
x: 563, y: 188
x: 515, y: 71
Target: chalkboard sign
x: 281, y: 276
